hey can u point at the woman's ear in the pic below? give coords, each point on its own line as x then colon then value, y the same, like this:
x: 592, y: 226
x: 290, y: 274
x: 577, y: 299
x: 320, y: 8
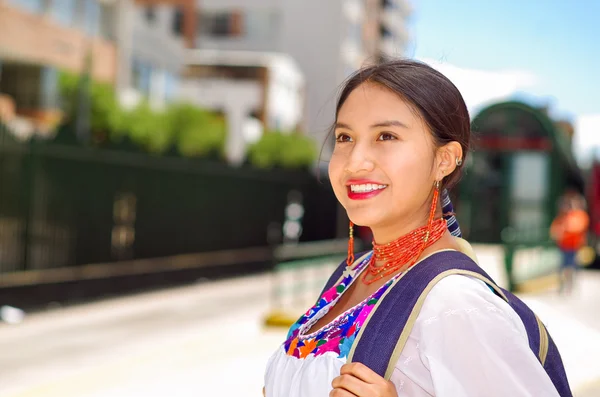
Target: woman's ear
x: 448, y: 158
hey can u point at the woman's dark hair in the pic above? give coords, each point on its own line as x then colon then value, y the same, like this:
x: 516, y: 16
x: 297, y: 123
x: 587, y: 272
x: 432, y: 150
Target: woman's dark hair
x: 433, y: 95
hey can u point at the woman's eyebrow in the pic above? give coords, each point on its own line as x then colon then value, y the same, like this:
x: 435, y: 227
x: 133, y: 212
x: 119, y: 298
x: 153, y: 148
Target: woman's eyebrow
x: 389, y: 123
x: 342, y: 125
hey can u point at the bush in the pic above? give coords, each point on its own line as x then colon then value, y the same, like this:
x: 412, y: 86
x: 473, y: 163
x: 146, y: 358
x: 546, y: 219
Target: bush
x: 148, y: 129
x: 197, y: 132
x: 106, y: 115
x: 276, y: 149
x: 194, y: 131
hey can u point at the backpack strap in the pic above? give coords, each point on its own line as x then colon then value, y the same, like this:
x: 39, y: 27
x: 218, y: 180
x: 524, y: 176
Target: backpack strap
x: 388, y: 326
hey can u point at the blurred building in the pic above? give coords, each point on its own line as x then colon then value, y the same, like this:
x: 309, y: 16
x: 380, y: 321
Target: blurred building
x: 328, y: 39
x: 137, y: 45
x: 255, y: 91
x: 40, y: 37
x: 151, y: 37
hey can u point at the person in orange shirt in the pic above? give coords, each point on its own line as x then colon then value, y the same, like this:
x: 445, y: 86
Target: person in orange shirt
x: 569, y: 231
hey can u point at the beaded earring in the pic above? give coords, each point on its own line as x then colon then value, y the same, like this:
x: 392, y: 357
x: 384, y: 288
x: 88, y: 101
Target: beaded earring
x: 350, y: 259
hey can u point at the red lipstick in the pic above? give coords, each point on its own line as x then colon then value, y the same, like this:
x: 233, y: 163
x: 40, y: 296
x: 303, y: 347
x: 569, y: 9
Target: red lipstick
x: 363, y: 195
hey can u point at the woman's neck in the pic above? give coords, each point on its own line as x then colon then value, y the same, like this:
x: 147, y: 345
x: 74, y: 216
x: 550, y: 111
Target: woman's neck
x: 387, y: 233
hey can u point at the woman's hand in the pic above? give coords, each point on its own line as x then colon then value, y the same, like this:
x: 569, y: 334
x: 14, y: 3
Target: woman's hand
x: 358, y: 380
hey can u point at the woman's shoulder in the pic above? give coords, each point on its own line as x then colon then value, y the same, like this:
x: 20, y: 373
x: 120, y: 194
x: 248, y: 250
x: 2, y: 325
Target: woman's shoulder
x: 460, y: 298
x: 459, y: 288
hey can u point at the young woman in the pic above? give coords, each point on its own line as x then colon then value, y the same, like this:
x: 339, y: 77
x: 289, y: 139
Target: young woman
x: 402, y: 132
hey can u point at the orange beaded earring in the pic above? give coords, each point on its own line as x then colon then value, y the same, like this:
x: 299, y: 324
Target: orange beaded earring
x: 350, y: 259
x: 436, y: 195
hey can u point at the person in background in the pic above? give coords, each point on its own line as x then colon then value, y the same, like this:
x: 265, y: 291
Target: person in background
x: 569, y: 231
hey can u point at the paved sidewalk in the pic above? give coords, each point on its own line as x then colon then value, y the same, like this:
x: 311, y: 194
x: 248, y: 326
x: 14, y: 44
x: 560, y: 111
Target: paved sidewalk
x: 208, y: 340
x: 574, y: 324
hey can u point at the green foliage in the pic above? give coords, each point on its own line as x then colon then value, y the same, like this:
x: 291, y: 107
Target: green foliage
x: 193, y: 131
x: 197, y: 132
x: 67, y: 83
x: 148, y: 129
x: 299, y: 151
x: 277, y: 149
x: 106, y: 115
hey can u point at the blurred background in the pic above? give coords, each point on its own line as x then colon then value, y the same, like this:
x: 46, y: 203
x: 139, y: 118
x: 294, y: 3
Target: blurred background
x: 165, y: 211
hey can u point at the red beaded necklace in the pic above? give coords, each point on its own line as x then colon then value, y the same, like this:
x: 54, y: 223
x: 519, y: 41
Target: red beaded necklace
x: 404, y: 252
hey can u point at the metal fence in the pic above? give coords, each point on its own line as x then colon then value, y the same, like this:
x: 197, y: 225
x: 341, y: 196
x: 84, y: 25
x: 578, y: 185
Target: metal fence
x: 68, y: 205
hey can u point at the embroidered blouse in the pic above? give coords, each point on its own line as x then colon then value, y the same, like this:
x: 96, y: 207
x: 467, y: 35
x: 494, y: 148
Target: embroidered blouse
x: 466, y: 342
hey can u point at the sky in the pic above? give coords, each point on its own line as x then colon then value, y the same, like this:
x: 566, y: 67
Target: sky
x: 544, y: 52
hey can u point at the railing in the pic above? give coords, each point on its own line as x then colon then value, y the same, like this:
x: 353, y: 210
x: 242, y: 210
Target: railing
x: 530, y: 257
x: 299, y: 274
x: 69, y: 206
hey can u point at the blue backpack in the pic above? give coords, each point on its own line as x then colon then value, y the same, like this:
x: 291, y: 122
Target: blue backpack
x: 391, y: 322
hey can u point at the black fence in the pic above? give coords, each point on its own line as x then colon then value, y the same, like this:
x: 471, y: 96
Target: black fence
x: 66, y: 205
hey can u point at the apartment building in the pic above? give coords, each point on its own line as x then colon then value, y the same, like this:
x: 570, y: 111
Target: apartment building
x: 38, y: 38
x: 137, y: 45
x: 328, y: 39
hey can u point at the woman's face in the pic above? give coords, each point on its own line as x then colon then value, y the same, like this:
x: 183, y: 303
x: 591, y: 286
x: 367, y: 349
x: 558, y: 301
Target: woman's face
x: 383, y: 166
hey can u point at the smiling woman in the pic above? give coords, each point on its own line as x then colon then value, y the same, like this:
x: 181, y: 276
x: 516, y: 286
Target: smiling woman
x: 415, y: 316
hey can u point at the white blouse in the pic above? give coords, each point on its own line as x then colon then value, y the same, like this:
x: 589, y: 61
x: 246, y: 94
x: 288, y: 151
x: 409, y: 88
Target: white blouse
x: 466, y: 342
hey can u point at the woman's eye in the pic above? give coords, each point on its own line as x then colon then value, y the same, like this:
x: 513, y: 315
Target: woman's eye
x: 386, y: 136
x: 343, y: 138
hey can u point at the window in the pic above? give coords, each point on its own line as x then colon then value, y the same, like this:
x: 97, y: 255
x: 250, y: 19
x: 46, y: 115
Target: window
x: 35, y: 6
x: 177, y: 26
x: 108, y: 22
x: 260, y: 23
x: 388, y: 4
x: 221, y: 24
x: 171, y: 86
x: 150, y: 13
x: 23, y: 83
x: 385, y: 32
x: 49, y: 88
x: 91, y: 17
x: 141, y: 75
x: 255, y: 23
x: 63, y: 11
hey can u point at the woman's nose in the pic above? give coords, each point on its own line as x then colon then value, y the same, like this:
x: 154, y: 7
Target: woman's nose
x: 360, y: 160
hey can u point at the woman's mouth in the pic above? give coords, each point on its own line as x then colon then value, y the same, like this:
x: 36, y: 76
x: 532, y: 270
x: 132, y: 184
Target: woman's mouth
x: 364, y: 190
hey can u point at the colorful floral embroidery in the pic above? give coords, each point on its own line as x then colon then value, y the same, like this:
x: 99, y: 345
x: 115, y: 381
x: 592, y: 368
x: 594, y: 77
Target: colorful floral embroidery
x: 339, y: 335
